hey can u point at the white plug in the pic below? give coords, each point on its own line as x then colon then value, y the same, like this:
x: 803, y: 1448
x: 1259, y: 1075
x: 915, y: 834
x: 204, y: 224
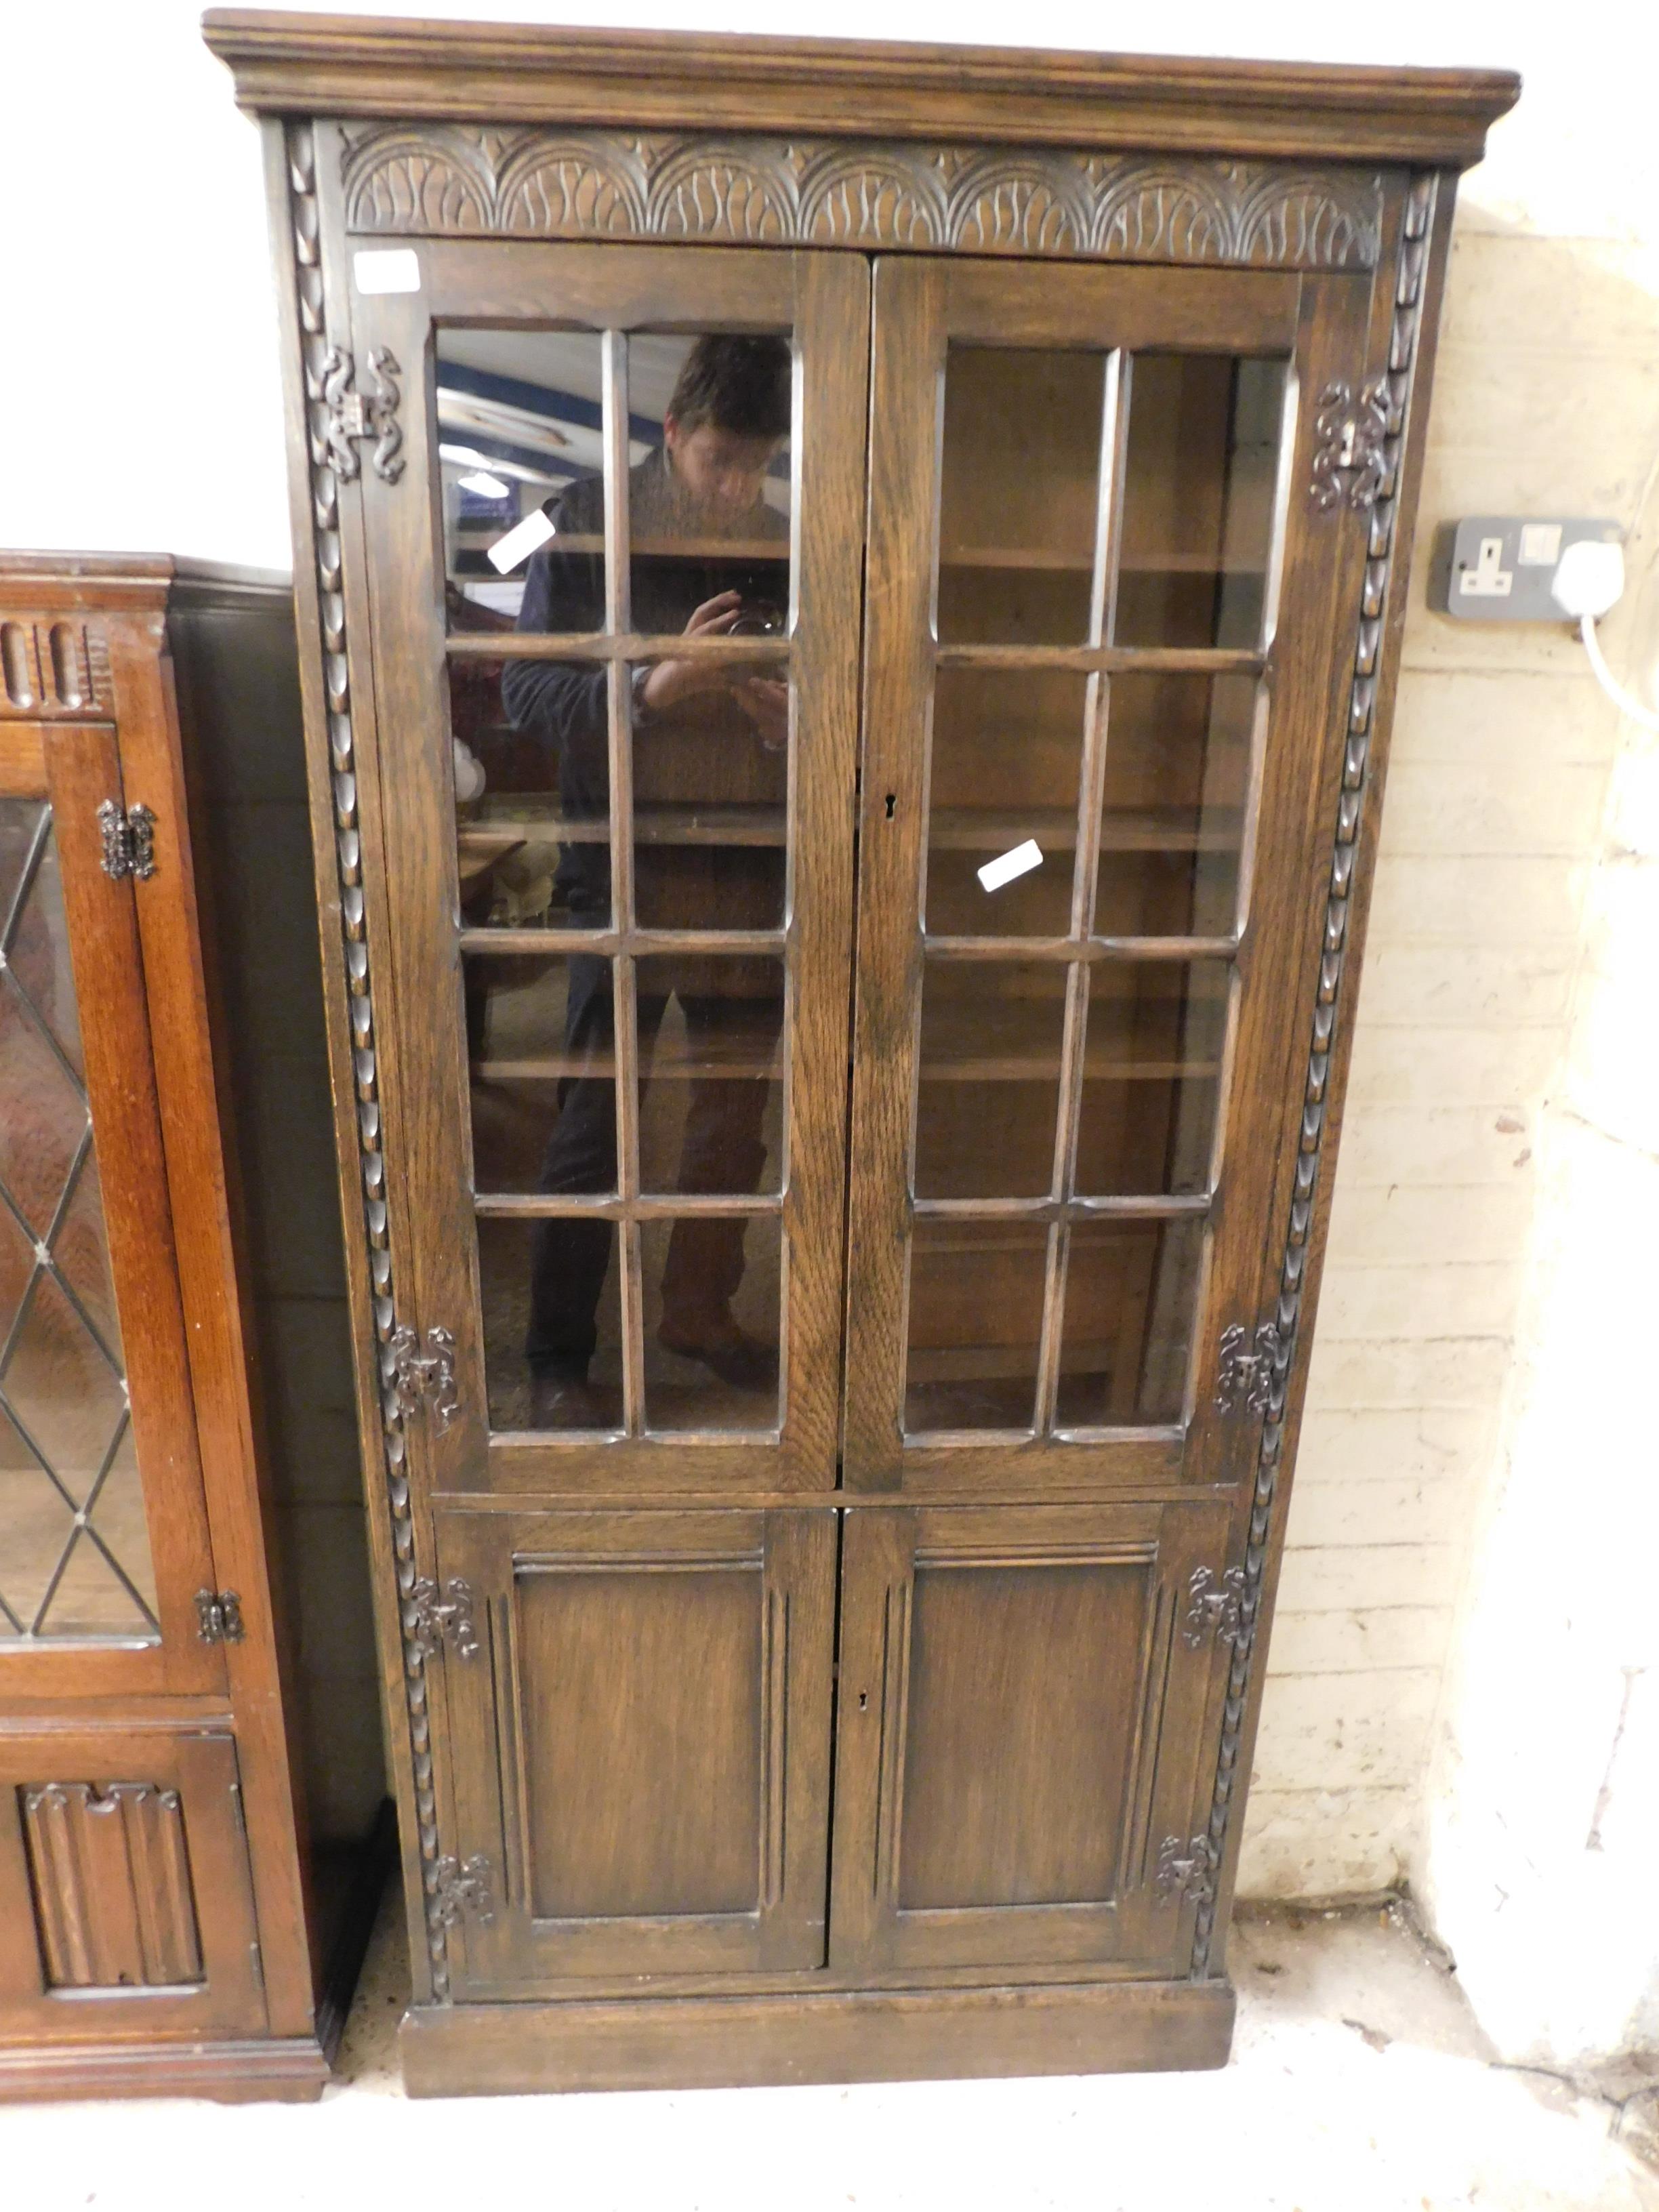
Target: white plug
x: 1589, y: 579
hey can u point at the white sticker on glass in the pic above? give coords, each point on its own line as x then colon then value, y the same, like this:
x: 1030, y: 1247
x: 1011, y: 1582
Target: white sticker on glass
x: 520, y: 542
x: 1006, y: 865
x: 386, y: 268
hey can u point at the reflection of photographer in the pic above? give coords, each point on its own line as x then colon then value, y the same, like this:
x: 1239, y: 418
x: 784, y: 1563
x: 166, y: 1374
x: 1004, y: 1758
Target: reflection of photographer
x: 704, y: 735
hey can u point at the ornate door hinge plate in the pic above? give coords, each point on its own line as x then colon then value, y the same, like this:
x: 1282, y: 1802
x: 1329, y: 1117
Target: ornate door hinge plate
x: 129, y: 838
x: 429, y: 1619
x: 219, y: 1616
x: 1245, y: 1368
x: 372, y: 414
x: 456, y: 1886
x: 1215, y: 1609
x: 1184, y: 1870
x: 1351, y: 459
x: 423, y: 1373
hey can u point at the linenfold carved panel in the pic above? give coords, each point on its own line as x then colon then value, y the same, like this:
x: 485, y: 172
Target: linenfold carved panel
x: 110, y: 1872
x: 405, y: 179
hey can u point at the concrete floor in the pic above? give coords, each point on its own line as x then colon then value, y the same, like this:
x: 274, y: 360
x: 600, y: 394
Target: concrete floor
x: 1359, y: 2083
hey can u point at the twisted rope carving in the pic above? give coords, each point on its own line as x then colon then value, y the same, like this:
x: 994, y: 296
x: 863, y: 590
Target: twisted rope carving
x: 1395, y: 389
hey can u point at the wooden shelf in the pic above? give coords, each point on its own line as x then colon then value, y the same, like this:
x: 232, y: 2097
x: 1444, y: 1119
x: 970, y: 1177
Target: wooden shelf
x: 650, y: 548
x: 1017, y: 558
x: 491, y: 837
x: 482, y: 841
x: 1153, y: 830
x: 720, y: 1058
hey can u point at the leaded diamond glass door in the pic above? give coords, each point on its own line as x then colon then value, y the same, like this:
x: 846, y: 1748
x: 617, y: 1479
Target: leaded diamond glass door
x: 103, y: 1540
x: 1098, y: 703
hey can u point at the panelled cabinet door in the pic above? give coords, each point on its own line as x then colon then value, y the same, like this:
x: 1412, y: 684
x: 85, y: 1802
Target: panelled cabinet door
x: 1024, y: 1715
x: 125, y: 1903
x: 618, y: 713
x: 1103, y: 617
x: 640, y: 1740
x: 103, y: 1531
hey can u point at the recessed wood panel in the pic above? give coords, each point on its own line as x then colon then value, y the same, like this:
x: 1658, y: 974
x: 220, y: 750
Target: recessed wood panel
x: 640, y: 1689
x: 1021, y: 1722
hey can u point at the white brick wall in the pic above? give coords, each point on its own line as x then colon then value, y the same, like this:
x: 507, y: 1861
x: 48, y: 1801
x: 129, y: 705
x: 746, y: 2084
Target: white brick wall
x: 1546, y: 400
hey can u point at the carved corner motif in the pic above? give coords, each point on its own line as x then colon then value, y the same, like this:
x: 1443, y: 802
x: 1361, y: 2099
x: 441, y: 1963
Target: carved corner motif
x: 1352, y: 460
x: 352, y: 414
x: 412, y: 179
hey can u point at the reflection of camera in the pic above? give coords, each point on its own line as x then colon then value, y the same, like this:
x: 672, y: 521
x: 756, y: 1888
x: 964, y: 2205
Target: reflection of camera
x: 757, y: 618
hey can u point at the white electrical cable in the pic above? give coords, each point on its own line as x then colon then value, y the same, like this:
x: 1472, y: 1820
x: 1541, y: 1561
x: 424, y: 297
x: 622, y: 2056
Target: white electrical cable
x: 1609, y: 683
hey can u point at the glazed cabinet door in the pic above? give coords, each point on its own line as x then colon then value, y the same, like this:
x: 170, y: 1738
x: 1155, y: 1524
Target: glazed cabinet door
x: 1025, y: 1713
x: 639, y: 1713
x: 1100, y: 705
x: 615, y: 703
x: 103, y: 1531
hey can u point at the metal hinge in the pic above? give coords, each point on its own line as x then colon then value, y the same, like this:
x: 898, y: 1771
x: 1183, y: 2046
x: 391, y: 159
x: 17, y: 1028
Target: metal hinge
x: 220, y: 1616
x: 129, y: 840
x: 371, y: 414
x: 1351, y: 458
x: 456, y: 1886
x: 427, y: 1620
x: 1215, y: 1606
x: 1184, y: 1870
x: 1243, y: 1377
x: 422, y: 1372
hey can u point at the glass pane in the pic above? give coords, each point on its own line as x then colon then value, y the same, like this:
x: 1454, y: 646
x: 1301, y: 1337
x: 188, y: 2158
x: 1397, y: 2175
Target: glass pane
x: 1198, y: 499
x: 1177, y: 780
x: 1007, y: 752
x: 713, y: 1305
x: 532, y: 787
x: 709, y: 482
x: 75, y: 1556
x: 974, y: 1322
x: 541, y: 1044
x: 989, y: 1088
x: 710, y: 1066
x: 1130, y: 1289
x: 711, y: 787
x: 522, y: 453
x: 1019, y: 495
x: 1152, y: 1076
x: 521, y: 444
x: 551, y: 1324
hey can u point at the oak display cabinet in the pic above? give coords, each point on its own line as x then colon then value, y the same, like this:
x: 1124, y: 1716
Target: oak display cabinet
x: 850, y: 602
x: 162, y: 1931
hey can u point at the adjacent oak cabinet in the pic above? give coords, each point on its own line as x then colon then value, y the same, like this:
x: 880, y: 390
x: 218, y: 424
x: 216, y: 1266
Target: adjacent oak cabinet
x: 158, y: 1929
x: 850, y: 598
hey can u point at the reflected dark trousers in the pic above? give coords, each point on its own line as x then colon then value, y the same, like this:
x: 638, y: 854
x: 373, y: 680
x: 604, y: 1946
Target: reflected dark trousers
x: 721, y: 1149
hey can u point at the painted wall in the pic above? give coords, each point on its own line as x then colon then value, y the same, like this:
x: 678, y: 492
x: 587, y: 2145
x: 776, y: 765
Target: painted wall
x: 1464, y: 1631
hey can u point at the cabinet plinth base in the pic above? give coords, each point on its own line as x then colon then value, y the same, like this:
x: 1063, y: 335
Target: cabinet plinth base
x: 288, y: 2069
x: 877, y: 2035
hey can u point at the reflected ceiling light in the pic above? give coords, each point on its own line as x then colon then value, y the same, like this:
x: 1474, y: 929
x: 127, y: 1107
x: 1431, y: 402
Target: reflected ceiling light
x: 484, y: 484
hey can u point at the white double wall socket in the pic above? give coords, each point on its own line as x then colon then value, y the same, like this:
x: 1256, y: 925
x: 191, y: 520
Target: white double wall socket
x: 1501, y: 568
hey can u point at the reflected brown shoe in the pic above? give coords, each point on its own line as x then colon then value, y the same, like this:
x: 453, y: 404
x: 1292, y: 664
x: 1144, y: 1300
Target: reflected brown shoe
x: 723, y: 1348
x: 558, y: 1401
